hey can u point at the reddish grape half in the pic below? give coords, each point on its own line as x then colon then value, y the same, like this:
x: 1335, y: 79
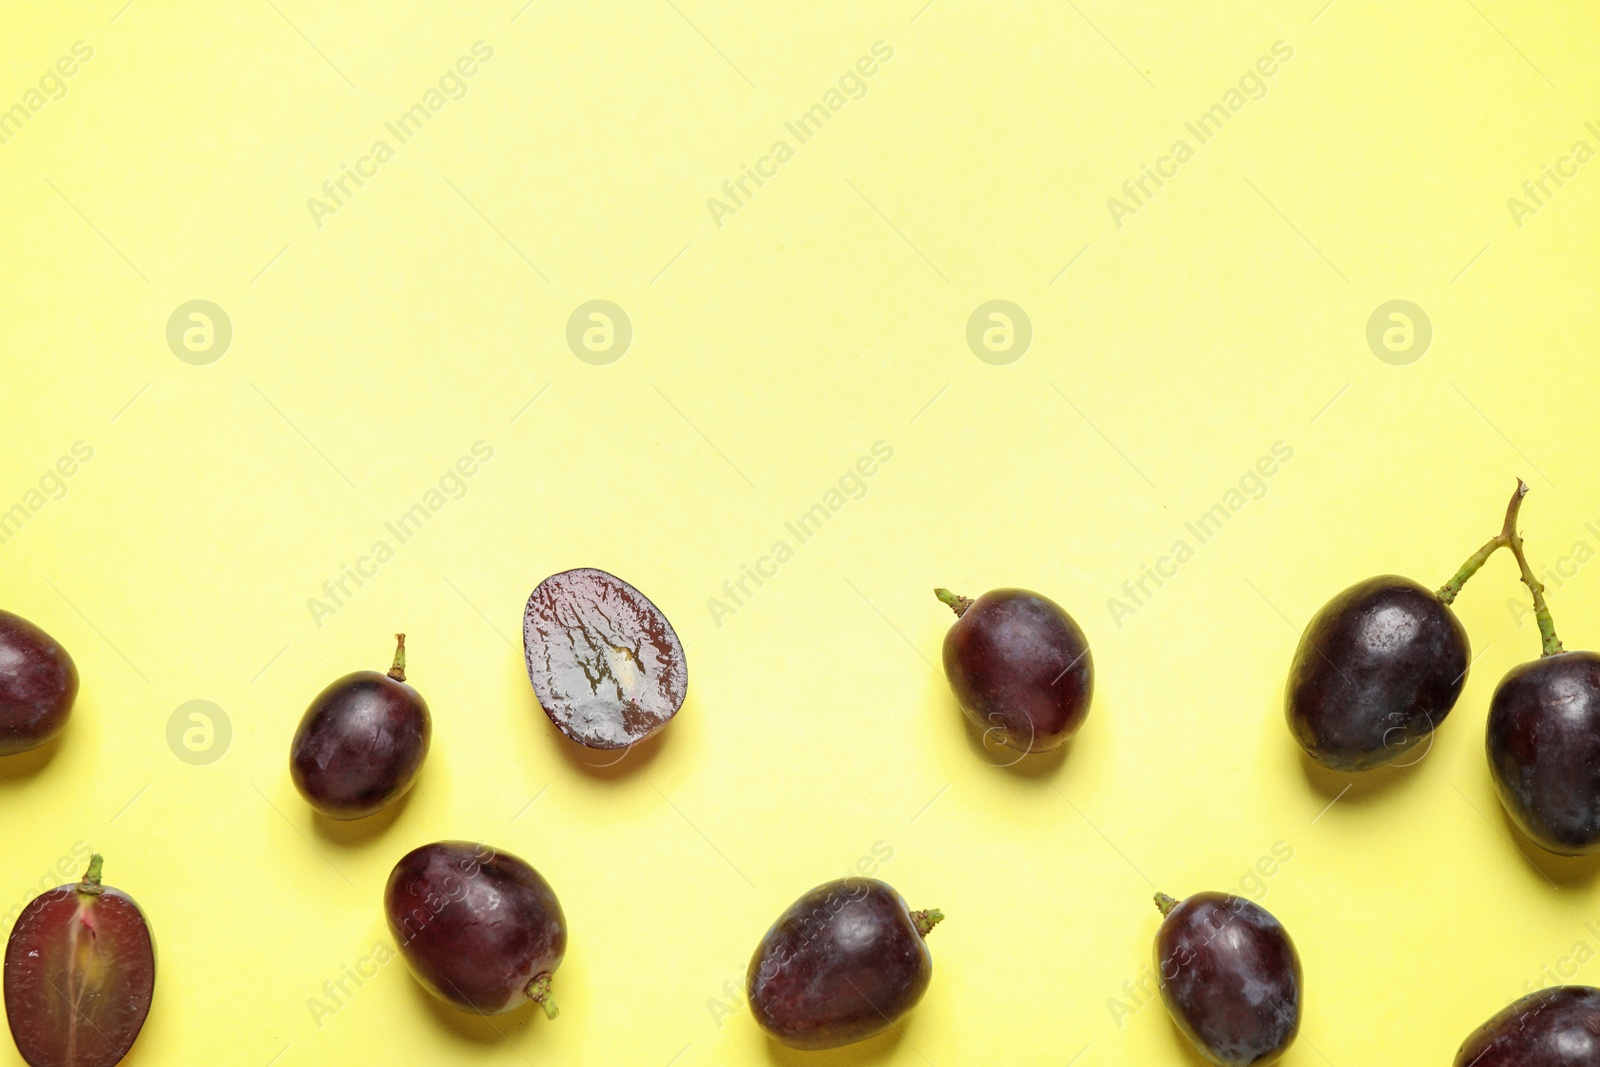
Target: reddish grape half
x: 80, y: 971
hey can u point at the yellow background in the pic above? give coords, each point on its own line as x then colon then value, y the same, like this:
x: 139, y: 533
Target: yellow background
x: 769, y: 354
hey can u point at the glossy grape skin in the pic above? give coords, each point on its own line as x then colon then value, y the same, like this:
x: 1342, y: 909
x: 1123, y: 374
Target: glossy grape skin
x: 1544, y: 750
x: 360, y: 745
x: 38, y: 683
x: 1020, y: 668
x: 605, y: 663
x: 1376, y: 672
x: 1230, y: 978
x: 80, y: 974
x: 479, y: 928
x: 1556, y: 1027
x: 841, y: 964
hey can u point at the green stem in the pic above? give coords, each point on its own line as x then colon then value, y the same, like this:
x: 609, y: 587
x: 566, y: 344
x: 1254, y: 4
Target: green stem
x: 1447, y: 594
x: 91, y: 877
x: 539, y: 993
x: 957, y: 604
x: 925, y: 921
x: 1550, y: 643
x: 1165, y: 903
x: 398, y: 671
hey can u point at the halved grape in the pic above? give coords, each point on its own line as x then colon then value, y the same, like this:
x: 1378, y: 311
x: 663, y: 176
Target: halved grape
x: 80, y: 971
x: 605, y: 662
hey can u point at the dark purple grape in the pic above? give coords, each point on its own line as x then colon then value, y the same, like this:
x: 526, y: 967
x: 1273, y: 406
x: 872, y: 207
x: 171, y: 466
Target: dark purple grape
x: 1020, y: 667
x: 1557, y: 1027
x: 80, y: 972
x: 843, y: 963
x: 1544, y: 750
x: 1230, y: 978
x: 606, y: 665
x: 1544, y: 734
x: 479, y: 928
x: 1382, y: 664
x: 362, y: 741
x: 38, y: 683
x: 1377, y: 670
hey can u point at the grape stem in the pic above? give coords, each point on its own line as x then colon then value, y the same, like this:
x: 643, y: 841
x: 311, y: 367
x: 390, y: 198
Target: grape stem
x: 1509, y: 538
x: 539, y: 993
x: 957, y: 604
x: 1550, y: 644
x: 1448, y: 592
x: 1165, y: 903
x: 398, y: 671
x: 925, y: 921
x: 91, y: 877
